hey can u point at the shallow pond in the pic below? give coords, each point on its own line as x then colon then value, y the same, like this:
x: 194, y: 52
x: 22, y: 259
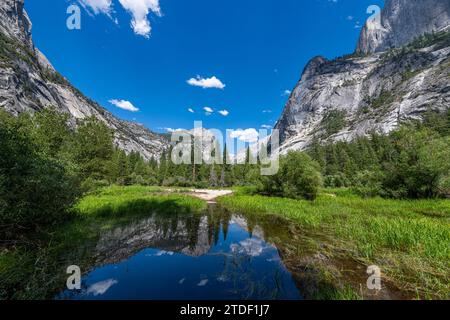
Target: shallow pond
x: 215, y: 255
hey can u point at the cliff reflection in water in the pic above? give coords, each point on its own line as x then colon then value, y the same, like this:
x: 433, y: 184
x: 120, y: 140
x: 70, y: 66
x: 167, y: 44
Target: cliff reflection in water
x: 214, y: 255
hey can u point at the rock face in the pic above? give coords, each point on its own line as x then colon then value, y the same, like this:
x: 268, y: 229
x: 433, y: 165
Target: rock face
x: 352, y: 96
x: 175, y: 235
x: 401, y: 21
x: 29, y: 83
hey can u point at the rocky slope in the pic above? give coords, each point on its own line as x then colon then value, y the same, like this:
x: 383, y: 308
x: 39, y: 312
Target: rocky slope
x: 401, y: 21
x: 375, y: 88
x: 29, y: 83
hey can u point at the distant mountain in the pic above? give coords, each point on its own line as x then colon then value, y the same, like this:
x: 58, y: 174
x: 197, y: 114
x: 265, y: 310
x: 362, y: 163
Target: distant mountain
x: 395, y: 74
x: 29, y: 83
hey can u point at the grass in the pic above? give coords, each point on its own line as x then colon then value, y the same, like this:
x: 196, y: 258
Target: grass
x: 135, y: 200
x: 35, y: 268
x: 409, y: 240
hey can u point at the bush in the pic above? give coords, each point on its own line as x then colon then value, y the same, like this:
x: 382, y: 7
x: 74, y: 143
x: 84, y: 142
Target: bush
x: 91, y: 184
x: 336, y: 181
x: 444, y: 187
x: 420, y: 162
x: 369, y: 183
x: 35, y: 190
x: 298, y: 177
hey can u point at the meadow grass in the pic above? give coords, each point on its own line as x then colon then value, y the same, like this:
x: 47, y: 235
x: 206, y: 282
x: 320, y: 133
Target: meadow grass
x: 136, y: 200
x: 409, y: 240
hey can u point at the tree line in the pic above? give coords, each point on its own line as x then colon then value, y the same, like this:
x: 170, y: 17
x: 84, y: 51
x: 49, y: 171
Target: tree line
x: 46, y: 165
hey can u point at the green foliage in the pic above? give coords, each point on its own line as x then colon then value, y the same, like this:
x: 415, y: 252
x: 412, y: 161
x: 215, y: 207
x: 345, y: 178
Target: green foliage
x: 35, y: 189
x: 93, y: 149
x: 411, y: 162
x: 383, y: 100
x: 421, y: 160
x: 136, y: 200
x: 298, y: 177
x: 334, y: 121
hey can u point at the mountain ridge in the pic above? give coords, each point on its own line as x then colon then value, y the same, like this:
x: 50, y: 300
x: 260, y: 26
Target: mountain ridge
x: 29, y: 83
x: 352, y: 96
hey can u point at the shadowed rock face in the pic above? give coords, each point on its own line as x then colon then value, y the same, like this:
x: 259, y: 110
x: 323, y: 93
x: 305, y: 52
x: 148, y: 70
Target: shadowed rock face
x: 376, y: 91
x: 168, y: 234
x: 403, y: 20
x: 29, y: 83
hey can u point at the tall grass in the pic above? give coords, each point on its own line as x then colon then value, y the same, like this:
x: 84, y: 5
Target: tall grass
x: 136, y: 200
x: 410, y: 240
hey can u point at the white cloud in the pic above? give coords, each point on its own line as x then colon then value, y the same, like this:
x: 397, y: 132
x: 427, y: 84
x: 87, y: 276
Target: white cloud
x: 139, y: 10
x: 287, y: 93
x: 124, y: 104
x: 208, y: 110
x: 247, y: 135
x: 97, y: 6
x: 267, y: 111
x: 100, y: 288
x: 266, y: 126
x: 224, y: 112
x: 191, y: 110
x: 171, y: 130
x: 206, y: 83
x: 203, y: 283
x: 250, y: 247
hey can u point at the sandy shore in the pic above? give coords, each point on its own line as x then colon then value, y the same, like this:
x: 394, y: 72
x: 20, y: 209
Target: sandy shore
x: 206, y: 194
x: 209, y: 195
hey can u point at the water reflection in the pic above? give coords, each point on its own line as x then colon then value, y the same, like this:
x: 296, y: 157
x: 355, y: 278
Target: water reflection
x: 215, y: 255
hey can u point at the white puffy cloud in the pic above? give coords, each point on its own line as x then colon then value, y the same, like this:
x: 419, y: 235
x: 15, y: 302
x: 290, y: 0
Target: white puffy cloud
x: 124, y: 104
x: 97, y: 6
x: 206, y: 83
x: 224, y: 112
x: 100, y: 288
x: 287, y: 93
x: 247, y: 135
x: 139, y: 10
x: 208, y: 110
x: 250, y: 247
x: 266, y: 126
x: 171, y: 130
x: 191, y: 110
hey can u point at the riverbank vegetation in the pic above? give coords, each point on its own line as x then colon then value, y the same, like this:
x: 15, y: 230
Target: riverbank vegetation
x: 34, y: 267
x: 408, y: 240
x: 59, y: 185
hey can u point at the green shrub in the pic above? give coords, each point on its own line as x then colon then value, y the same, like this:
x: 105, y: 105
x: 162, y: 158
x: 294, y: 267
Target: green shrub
x: 35, y: 190
x: 444, y: 187
x: 299, y: 177
x: 334, y: 121
x: 368, y: 183
x: 420, y: 162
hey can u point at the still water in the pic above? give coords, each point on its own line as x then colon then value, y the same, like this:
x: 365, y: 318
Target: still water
x: 215, y: 255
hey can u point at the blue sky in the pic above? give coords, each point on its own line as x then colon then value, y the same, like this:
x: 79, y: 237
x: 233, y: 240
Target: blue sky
x: 257, y: 49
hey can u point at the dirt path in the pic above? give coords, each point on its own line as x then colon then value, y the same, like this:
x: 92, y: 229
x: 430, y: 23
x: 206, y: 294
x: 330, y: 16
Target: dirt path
x: 207, y: 195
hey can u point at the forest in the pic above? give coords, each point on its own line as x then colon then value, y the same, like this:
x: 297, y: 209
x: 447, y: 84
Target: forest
x: 46, y: 166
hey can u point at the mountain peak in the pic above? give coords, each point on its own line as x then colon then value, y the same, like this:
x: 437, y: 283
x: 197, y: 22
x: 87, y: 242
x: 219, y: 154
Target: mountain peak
x: 14, y: 21
x: 401, y: 21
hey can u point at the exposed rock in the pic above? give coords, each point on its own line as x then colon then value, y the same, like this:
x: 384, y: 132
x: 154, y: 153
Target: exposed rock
x: 379, y: 91
x: 119, y: 244
x: 401, y: 21
x: 29, y: 83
